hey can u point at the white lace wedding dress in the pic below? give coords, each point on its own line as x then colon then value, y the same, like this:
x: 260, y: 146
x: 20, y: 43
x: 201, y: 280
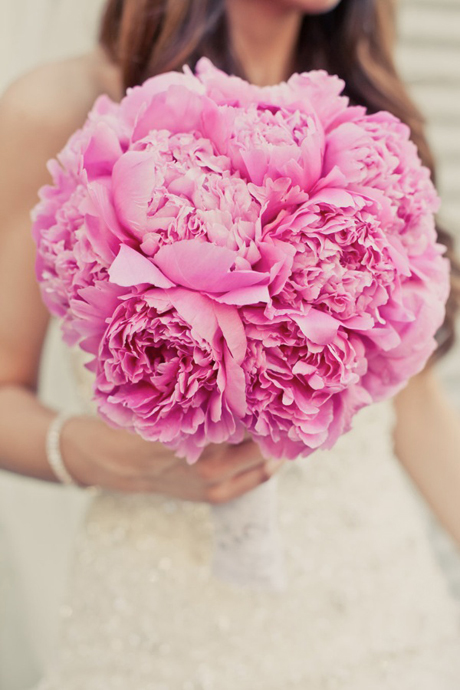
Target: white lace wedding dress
x: 366, y: 606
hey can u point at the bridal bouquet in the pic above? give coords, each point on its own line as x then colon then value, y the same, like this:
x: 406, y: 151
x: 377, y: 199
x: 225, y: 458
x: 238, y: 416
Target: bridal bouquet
x: 241, y: 259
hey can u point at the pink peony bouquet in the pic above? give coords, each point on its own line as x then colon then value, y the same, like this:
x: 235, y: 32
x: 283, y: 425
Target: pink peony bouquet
x: 242, y: 259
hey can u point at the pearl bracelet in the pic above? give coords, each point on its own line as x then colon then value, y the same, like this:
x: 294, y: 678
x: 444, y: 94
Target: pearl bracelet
x: 53, y: 450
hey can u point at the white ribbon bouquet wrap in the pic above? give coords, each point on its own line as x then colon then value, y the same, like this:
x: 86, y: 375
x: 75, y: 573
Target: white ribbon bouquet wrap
x: 247, y: 548
x: 242, y: 260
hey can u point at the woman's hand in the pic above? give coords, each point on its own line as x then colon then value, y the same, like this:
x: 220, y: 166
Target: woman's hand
x: 97, y: 455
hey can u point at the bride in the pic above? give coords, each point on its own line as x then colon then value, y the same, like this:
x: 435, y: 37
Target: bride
x: 365, y: 606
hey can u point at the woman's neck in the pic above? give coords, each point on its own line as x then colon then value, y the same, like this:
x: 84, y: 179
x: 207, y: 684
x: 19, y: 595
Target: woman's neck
x: 264, y: 37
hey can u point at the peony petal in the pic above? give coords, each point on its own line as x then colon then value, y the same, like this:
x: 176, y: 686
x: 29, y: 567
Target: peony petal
x: 204, y: 267
x: 195, y: 264
x: 131, y: 268
x: 178, y: 110
x: 105, y: 245
x: 102, y: 152
x: 360, y: 322
x: 333, y: 196
x: 232, y: 330
x: 198, y: 311
x: 303, y: 368
x: 254, y: 294
x: 100, y: 202
x: 236, y: 280
x: 256, y: 162
x: 318, y: 326
x: 398, y: 255
x: 132, y: 181
x: 235, y: 388
x: 138, y: 98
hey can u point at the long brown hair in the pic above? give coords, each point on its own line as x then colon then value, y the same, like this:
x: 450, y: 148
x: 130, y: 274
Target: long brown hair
x: 355, y: 40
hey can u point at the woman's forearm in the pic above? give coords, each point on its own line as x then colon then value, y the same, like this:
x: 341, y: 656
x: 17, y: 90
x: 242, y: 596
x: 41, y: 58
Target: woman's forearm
x: 24, y: 422
x: 427, y: 441
x: 97, y: 455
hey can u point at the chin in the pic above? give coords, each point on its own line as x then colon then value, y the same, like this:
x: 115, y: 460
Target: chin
x: 312, y: 6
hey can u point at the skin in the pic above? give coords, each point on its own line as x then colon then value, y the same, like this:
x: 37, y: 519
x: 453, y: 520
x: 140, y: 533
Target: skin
x: 264, y: 31
x: 37, y: 115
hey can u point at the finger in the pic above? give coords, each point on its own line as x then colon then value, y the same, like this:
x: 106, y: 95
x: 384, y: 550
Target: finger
x: 242, y: 483
x: 231, y: 461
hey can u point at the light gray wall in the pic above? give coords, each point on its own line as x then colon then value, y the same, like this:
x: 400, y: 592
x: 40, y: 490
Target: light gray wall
x: 429, y: 59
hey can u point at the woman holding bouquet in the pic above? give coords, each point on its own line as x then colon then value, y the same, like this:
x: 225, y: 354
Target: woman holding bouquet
x: 364, y: 604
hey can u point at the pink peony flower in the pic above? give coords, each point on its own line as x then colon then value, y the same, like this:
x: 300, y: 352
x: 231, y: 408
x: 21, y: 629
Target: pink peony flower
x: 241, y: 259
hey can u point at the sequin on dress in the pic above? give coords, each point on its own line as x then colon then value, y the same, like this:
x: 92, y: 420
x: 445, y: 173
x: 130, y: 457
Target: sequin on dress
x: 366, y: 605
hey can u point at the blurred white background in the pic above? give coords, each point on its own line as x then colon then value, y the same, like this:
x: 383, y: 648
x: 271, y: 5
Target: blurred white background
x: 37, y: 522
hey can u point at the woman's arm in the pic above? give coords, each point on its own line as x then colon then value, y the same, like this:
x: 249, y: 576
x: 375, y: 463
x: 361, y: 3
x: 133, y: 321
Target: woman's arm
x: 33, y: 127
x: 427, y: 442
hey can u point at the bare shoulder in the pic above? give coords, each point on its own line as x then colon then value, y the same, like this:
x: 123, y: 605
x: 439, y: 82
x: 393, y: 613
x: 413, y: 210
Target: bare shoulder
x: 63, y: 90
x: 54, y: 99
x: 41, y: 109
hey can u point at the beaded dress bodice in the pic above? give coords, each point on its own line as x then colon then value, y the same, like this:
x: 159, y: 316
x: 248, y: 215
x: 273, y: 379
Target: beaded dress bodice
x: 365, y: 608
